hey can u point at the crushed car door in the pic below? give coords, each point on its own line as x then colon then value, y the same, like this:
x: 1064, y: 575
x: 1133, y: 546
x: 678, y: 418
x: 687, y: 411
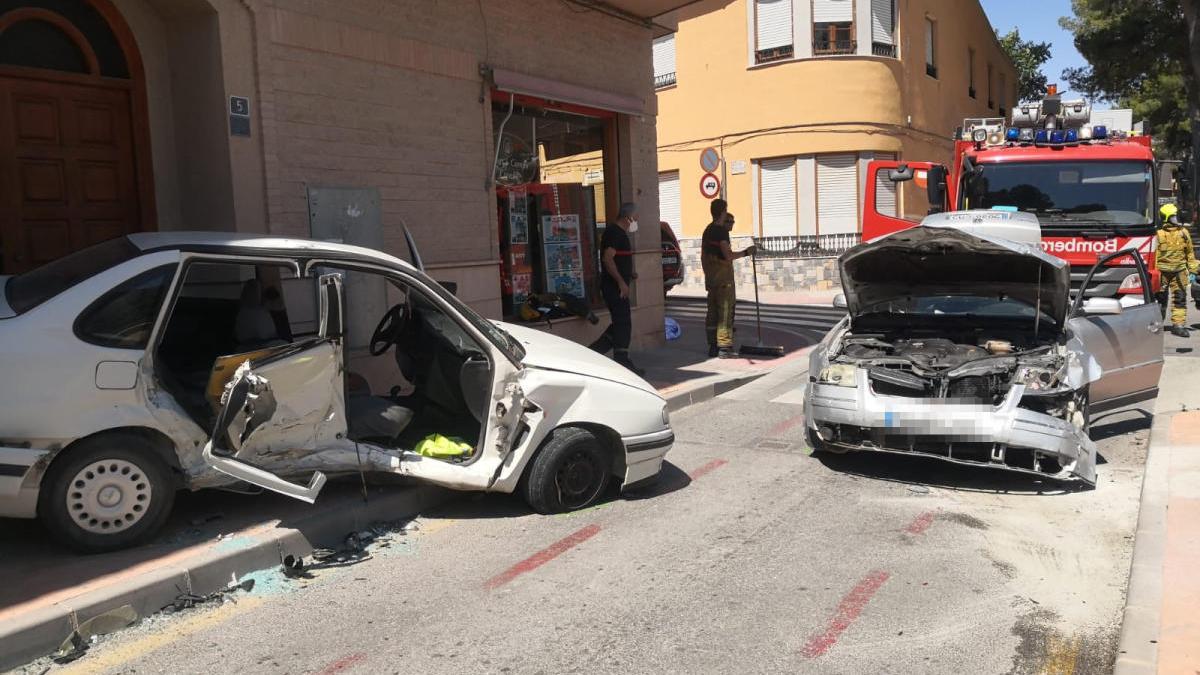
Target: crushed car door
x: 898, y: 196
x: 285, y: 407
x: 1125, y: 338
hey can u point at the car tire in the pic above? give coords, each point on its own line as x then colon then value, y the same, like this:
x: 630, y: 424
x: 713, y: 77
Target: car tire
x: 106, y: 493
x: 569, y: 473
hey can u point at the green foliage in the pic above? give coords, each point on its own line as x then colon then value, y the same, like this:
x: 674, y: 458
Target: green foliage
x: 1029, y: 57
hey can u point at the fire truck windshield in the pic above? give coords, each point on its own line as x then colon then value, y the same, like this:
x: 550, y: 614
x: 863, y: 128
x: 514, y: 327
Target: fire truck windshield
x: 1065, y: 194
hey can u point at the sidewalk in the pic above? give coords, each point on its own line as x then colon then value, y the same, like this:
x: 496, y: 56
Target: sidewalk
x: 214, y: 537
x: 823, y: 298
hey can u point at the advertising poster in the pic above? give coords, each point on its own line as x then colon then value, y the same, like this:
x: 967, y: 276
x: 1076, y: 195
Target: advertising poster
x: 561, y: 228
x: 566, y: 282
x: 521, y: 287
x: 563, y: 254
x: 518, y: 228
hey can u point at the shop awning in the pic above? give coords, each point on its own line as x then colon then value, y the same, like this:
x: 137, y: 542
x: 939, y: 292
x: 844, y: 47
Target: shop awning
x: 648, y: 9
x: 564, y: 92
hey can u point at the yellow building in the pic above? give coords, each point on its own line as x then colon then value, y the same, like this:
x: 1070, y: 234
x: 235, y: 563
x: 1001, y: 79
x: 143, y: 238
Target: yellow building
x: 797, y: 96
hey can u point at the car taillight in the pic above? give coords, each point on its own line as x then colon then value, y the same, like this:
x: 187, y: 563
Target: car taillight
x: 1131, y: 284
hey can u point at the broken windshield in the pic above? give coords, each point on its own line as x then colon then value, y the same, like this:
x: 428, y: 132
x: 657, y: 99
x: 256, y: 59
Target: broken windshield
x: 1066, y: 194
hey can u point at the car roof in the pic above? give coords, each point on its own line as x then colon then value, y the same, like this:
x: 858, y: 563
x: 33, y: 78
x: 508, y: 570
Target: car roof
x: 248, y: 244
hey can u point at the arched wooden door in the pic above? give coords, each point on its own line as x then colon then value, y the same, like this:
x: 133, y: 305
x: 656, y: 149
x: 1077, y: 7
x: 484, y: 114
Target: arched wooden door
x: 74, y: 152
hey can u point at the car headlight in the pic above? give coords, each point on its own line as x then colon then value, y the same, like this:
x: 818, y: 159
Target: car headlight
x: 838, y: 374
x: 1038, y: 379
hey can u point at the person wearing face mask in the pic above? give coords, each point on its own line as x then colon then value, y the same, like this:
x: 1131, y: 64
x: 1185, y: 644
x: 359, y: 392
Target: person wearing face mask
x: 616, y: 257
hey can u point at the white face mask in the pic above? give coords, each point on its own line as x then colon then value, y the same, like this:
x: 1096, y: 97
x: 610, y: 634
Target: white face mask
x: 633, y: 226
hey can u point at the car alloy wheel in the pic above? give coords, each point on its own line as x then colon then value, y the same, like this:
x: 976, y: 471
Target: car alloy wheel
x: 108, y: 496
x: 578, y: 480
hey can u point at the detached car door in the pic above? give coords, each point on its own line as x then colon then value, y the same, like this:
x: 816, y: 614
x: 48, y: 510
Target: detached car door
x: 285, y: 406
x: 1126, y: 339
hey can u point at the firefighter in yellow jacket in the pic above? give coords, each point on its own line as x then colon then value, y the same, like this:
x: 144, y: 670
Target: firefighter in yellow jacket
x: 1176, y: 261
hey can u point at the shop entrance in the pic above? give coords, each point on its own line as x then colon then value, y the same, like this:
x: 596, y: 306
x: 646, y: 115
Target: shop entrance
x: 70, y: 149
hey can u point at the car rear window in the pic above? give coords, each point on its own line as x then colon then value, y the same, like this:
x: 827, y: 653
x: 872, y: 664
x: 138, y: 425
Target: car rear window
x: 28, y: 290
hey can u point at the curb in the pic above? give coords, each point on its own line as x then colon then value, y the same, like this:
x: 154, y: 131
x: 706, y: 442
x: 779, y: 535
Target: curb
x: 41, y: 631
x: 707, y: 392
x: 1137, y: 650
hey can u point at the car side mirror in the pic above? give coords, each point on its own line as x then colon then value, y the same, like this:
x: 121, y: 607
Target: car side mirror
x: 839, y: 301
x: 332, y: 323
x: 1101, y: 306
x: 936, y: 189
x: 901, y: 174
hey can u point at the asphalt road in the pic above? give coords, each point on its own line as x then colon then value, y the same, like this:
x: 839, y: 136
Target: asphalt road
x: 750, y: 556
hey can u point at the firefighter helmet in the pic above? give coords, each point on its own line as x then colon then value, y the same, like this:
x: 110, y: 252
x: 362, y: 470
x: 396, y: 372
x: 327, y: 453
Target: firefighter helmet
x: 1168, y: 211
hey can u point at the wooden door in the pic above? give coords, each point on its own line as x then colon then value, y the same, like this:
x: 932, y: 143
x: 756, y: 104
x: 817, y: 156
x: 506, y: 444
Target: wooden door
x: 67, y: 172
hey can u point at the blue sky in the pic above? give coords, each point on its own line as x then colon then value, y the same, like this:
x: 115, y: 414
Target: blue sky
x: 1038, y: 21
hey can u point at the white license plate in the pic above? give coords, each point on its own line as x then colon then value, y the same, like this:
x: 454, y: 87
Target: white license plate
x: 670, y: 260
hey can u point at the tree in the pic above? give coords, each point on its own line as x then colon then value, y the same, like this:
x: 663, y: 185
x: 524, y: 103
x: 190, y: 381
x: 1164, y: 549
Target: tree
x: 1144, y: 55
x: 1029, y: 57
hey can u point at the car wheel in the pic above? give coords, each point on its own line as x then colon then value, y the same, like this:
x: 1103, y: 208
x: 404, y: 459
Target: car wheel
x: 106, y: 493
x: 569, y: 473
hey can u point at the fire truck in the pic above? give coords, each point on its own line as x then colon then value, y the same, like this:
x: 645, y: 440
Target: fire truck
x: 1091, y: 187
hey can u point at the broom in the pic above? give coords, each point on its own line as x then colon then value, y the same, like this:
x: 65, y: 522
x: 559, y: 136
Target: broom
x: 760, y: 349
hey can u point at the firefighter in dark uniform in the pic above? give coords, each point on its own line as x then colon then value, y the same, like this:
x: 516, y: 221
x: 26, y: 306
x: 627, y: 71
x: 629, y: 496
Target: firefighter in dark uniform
x: 616, y: 258
x: 1176, y: 261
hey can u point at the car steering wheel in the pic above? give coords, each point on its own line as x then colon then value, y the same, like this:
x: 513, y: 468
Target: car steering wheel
x: 389, y: 330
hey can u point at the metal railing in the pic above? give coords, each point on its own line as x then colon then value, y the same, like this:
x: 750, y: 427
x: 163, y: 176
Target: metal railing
x: 774, y: 54
x: 825, y: 47
x: 881, y: 49
x: 806, y: 246
x: 664, y: 80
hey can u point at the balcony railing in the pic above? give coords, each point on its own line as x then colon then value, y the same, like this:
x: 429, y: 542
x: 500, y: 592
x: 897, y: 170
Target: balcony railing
x: 664, y: 80
x: 774, y: 54
x: 823, y: 47
x: 881, y: 49
x: 806, y: 246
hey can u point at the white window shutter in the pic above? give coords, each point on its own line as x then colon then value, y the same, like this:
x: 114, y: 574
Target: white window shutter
x: 773, y: 23
x: 664, y: 55
x: 833, y: 11
x: 929, y: 53
x: 837, y: 193
x: 883, y: 22
x: 885, y: 189
x: 668, y: 200
x: 778, y: 189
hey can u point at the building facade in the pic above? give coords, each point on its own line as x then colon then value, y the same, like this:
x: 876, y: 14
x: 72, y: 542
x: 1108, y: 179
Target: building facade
x: 339, y: 119
x: 796, y: 97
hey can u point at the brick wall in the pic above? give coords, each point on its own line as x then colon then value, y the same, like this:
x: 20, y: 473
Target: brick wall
x: 775, y: 275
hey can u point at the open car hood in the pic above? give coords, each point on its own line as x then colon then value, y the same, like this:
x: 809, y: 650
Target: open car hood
x: 550, y: 352
x: 943, y: 258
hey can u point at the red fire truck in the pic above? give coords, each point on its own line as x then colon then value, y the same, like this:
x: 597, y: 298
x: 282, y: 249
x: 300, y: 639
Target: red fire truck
x: 1091, y: 187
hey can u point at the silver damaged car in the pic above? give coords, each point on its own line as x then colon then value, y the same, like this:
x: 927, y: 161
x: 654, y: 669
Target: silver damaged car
x: 962, y: 341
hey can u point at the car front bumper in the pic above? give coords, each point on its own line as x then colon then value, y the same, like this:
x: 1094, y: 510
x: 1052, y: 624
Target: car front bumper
x: 644, y: 455
x: 1003, y: 436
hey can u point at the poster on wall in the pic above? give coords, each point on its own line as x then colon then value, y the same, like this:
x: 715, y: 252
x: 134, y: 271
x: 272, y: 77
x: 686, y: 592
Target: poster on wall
x: 522, y: 284
x: 563, y: 254
x: 566, y: 283
x: 561, y: 228
x: 518, y: 228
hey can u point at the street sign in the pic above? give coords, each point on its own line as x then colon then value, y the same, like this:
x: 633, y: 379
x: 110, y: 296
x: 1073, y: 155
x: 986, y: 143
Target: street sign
x: 710, y: 160
x: 710, y: 186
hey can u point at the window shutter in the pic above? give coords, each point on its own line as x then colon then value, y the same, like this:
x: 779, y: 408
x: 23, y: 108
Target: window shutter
x: 668, y: 200
x: 778, y: 189
x: 664, y: 55
x: 773, y: 23
x: 885, y: 189
x: 883, y: 22
x: 837, y: 193
x: 833, y: 11
x: 929, y: 43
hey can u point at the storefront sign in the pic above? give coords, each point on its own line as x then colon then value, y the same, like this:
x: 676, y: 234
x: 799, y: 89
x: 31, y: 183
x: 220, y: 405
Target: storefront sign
x: 710, y: 186
x: 710, y: 160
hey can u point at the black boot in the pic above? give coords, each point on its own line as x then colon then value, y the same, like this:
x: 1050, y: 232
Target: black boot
x: 713, y: 350
x: 602, y: 344
x: 727, y: 353
x: 621, y: 356
x: 1180, y: 331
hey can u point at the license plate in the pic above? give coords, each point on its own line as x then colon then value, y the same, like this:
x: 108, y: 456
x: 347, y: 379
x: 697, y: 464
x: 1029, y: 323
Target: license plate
x: 670, y: 260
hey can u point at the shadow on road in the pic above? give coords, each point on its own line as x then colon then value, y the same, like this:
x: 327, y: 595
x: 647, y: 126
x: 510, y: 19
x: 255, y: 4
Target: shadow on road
x: 929, y: 471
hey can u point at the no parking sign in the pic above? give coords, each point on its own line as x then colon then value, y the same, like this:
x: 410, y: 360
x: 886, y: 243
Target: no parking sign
x: 710, y: 186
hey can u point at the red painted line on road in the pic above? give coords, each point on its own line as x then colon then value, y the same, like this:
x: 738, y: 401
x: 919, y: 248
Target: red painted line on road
x: 920, y: 523
x: 344, y: 663
x: 708, y: 468
x: 543, y: 556
x: 786, y: 425
x: 848, y: 610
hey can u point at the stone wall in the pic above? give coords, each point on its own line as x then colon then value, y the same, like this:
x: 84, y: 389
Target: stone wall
x: 775, y: 275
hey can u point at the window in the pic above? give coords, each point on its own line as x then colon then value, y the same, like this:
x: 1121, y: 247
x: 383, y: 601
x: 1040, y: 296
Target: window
x: 833, y: 27
x: 930, y: 47
x: 550, y: 198
x: 883, y: 28
x: 970, y: 72
x: 124, y: 317
x: 668, y: 199
x: 837, y: 193
x: 1003, y: 94
x: 664, y: 61
x: 1068, y: 194
x: 772, y: 30
x: 991, y: 90
x: 885, y: 189
x: 28, y: 290
x: 777, y: 191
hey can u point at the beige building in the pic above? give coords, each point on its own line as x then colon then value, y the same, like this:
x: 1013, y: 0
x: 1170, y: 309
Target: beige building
x: 339, y: 119
x: 797, y: 96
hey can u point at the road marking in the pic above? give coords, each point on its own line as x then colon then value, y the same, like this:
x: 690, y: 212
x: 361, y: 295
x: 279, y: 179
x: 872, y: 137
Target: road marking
x: 344, y: 663
x: 543, y: 556
x: 920, y: 523
x: 786, y: 425
x: 707, y: 469
x: 118, y: 655
x: 848, y: 610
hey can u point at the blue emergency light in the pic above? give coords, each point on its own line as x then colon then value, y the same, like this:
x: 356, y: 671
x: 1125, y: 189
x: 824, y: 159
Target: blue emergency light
x: 1013, y: 134
x: 1058, y: 136
x: 1072, y: 136
x: 1042, y: 136
x: 1100, y: 132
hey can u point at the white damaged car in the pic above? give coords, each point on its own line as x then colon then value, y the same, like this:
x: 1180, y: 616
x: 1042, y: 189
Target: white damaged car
x: 164, y: 361
x: 962, y: 342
